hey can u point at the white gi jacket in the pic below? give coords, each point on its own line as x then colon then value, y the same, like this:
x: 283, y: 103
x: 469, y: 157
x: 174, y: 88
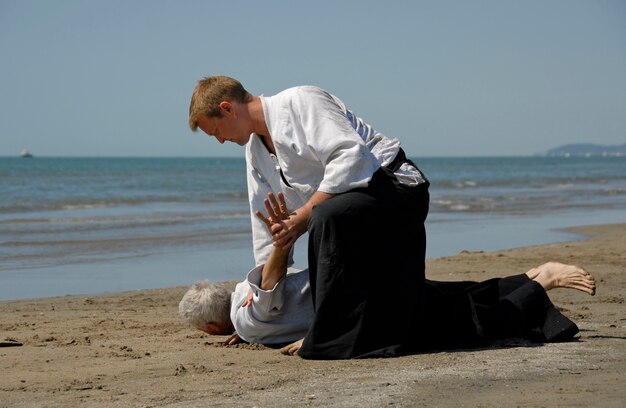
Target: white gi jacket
x: 280, y: 315
x: 320, y: 146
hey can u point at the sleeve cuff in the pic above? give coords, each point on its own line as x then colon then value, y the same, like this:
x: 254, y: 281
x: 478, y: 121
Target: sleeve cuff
x: 264, y: 301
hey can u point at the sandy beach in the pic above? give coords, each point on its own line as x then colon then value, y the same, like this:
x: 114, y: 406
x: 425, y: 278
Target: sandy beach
x: 132, y: 349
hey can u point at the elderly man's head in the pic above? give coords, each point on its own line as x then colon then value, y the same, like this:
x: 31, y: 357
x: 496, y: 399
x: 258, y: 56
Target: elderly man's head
x: 206, y: 306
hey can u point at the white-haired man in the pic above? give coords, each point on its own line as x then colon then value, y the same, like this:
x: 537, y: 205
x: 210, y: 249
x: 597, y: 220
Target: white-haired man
x: 272, y: 306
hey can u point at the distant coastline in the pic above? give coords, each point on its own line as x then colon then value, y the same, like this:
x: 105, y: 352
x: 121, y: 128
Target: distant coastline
x: 587, y: 150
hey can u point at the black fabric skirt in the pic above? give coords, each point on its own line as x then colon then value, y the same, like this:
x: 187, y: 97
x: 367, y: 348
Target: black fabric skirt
x: 471, y: 314
x: 366, y: 263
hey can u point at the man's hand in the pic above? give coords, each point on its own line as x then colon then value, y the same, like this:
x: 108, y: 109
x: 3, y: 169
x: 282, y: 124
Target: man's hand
x: 276, y: 210
x: 287, y: 228
x: 287, y: 232
x: 234, y: 339
x: 248, y: 301
x: 284, y: 227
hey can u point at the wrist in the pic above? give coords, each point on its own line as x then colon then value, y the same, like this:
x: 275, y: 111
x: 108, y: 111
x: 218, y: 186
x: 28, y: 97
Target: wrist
x: 300, y: 220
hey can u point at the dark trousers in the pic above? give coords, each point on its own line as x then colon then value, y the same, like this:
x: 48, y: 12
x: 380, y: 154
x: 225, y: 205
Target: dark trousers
x: 470, y: 314
x: 366, y: 263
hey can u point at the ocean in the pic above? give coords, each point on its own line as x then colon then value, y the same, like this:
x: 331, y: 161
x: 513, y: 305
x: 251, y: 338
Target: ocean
x: 97, y: 225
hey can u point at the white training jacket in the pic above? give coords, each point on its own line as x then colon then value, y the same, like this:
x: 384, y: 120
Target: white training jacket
x: 280, y: 315
x: 320, y: 146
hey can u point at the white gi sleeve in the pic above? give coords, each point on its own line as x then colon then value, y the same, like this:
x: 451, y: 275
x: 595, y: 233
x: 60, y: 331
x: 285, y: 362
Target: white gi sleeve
x: 347, y: 161
x: 260, y: 322
x: 258, y: 188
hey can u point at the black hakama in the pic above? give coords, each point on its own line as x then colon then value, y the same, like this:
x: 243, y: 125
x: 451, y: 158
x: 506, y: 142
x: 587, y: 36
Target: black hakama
x: 366, y: 263
x: 474, y: 314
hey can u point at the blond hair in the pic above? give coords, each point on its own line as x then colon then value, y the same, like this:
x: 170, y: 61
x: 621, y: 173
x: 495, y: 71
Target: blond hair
x: 205, y: 302
x: 208, y: 94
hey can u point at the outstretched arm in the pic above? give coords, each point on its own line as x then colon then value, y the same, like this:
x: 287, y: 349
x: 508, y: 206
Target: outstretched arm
x: 275, y: 267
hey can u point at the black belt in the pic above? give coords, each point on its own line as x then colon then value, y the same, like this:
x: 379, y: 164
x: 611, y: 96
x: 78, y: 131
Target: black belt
x: 398, y: 161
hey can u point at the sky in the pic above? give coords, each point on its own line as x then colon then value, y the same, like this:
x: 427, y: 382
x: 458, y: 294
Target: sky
x: 448, y: 78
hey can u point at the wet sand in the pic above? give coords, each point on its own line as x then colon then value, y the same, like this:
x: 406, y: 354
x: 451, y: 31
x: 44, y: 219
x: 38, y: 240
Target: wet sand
x: 132, y: 349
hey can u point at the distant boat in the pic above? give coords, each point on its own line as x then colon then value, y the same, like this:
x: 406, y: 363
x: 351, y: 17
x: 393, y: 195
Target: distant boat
x: 25, y: 154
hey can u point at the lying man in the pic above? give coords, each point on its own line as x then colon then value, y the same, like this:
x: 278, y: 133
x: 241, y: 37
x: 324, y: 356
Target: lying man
x: 274, y: 305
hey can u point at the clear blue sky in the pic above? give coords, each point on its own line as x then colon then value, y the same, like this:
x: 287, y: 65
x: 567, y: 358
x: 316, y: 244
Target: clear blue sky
x: 449, y: 78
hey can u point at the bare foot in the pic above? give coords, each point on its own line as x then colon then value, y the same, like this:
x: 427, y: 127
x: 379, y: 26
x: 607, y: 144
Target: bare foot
x: 293, y: 348
x: 532, y: 274
x: 557, y: 275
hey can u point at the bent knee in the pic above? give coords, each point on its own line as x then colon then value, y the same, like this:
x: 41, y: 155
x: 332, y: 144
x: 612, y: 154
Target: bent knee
x: 322, y: 214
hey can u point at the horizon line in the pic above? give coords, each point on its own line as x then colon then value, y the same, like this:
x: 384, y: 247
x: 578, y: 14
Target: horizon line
x: 243, y: 157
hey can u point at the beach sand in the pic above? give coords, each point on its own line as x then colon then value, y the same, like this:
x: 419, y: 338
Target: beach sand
x: 132, y: 349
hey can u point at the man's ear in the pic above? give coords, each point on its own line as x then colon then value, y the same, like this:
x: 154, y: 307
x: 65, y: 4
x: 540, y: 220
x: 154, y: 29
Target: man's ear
x: 226, y: 106
x: 213, y: 328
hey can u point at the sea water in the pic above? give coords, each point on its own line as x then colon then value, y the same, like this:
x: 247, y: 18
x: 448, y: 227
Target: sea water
x: 93, y: 225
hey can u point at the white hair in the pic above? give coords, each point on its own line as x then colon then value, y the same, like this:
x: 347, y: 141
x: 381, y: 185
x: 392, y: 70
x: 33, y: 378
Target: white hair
x: 205, y: 302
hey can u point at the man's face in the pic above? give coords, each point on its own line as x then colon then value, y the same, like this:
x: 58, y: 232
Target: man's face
x: 228, y: 127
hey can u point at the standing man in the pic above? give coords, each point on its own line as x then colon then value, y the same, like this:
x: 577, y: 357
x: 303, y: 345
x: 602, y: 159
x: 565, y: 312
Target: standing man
x: 362, y: 201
